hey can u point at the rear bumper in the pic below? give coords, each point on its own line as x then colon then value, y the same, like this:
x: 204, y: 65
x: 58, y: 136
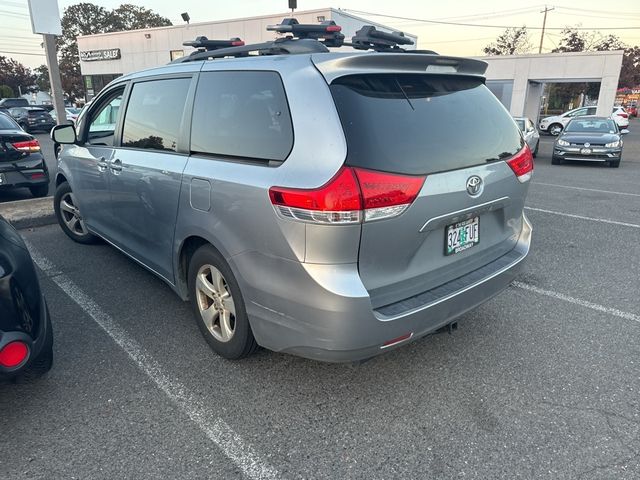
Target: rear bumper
x: 323, y: 312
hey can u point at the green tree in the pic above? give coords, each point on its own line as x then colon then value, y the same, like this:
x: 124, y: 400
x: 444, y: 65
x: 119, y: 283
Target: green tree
x: 15, y: 75
x: 630, y: 72
x: 6, y: 91
x: 512, y: 42
x: 42, y: 78
x: 88, y: 19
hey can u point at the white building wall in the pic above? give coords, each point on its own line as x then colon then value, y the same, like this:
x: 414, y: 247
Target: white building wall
x: 601, y: 67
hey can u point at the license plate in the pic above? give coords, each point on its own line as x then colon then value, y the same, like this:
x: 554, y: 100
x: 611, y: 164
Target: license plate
x: 585, y: 151
x: 43, y: 120
x: 462, y: 235
x: 1, y: 178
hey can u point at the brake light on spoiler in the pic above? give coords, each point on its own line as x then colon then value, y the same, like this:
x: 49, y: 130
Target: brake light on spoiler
x: 353, y: 195
x: 522, y: 164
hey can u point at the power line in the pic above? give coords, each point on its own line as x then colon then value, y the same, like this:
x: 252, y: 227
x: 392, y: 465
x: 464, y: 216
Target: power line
x: 461, y: 24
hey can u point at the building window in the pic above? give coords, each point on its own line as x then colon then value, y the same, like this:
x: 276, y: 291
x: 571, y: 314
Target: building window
x: 176, y: 54
x: 503, y: 89
x: 321, y: 18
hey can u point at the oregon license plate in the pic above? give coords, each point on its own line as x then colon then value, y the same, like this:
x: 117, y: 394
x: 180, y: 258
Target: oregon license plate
x: 462, y: 235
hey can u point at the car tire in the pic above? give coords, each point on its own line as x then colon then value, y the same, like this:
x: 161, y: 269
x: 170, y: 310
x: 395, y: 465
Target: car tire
x: 555, y: 129
x: 39, y: 191
x: 535, y: 151
x: 556, y: 161
x: 75, y: 231
x: 43, y: 362
x: 614, y: 163
x: 214, y: 289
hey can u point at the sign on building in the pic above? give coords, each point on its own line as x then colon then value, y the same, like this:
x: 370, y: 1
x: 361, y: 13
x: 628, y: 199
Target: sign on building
x: 99, y: 55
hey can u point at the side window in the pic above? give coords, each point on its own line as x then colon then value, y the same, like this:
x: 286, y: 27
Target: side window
x: 242, y: 114
x: 154, y: 114
x: 591, y: 111
x: 102, y: 124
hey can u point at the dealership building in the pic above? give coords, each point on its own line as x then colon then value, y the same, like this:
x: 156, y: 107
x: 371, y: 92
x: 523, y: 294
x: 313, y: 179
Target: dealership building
x: 517, y: 80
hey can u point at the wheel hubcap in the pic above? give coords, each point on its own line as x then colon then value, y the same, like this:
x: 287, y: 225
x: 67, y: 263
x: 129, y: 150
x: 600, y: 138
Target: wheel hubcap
x: 71, y: 215
x: 215, y: 303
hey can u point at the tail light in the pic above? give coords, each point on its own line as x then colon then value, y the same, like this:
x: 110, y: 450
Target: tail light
x: 27, y: 146
x: 13, y: 354
x: 522, y: 164
x: 353, y: 195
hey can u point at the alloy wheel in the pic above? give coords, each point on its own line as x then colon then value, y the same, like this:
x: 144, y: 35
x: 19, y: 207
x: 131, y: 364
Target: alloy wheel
x: 215, y: 303
x: 71, y: 215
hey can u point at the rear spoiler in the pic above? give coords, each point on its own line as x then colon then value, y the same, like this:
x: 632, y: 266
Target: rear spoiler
x: 337, y: 65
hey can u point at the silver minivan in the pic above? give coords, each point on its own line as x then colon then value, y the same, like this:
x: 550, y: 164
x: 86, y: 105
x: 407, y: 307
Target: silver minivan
x: 329, y: 205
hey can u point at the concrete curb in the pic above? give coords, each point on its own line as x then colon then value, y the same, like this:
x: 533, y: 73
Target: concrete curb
x: 29, y: 213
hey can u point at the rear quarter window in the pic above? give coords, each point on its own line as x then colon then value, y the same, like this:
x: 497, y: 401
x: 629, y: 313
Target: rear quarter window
x: 241, y: 114
x: 419, y: 124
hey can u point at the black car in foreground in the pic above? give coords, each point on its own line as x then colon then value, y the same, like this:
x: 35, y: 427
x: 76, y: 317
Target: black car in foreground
x: 26, y: 336
x: 32, y: 119
x: 590, y: 139
x: 21, y: 160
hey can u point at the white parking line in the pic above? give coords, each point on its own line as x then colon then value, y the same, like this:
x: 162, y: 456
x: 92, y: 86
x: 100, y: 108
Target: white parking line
x: 582, y: 217
x: 218, y: 431
x: 587, y: 189
x: 577, y: 301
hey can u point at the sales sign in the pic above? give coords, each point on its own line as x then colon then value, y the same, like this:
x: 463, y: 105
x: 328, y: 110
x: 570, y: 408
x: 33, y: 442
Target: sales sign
x: 98, y: 55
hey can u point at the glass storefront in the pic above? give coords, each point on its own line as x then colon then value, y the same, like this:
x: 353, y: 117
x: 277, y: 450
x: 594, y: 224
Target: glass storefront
x: 94, y: 83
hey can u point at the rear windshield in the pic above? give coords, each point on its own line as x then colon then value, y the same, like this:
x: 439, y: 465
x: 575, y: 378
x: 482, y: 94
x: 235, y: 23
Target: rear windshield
x: 418, y: 124
x: 6, y: 123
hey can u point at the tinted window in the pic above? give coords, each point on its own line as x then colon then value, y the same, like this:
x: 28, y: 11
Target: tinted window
x: 241, y: 114
x: 520, y: 123
x: 102, y: 126
x: 589, y: 125
x: 419, y: 124
x: 6, y: 123
x: 154, y: 114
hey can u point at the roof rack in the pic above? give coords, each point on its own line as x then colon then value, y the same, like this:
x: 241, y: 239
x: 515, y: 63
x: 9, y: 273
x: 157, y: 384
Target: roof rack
x: 328, y: 31
x: 300, y: 38
x: 368, y: 38
x: 204, y: 44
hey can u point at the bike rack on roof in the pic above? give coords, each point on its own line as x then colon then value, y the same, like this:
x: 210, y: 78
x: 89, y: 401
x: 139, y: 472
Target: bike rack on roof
x: 300, y: 38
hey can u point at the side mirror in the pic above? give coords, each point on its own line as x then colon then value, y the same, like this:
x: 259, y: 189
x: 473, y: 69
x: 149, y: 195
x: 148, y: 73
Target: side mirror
x: 624, y: 131
x: 64, y: 134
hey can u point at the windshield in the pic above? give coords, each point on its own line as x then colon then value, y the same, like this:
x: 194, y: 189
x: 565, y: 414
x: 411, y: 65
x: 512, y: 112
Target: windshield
x: 585, y: 125
x: 418, y: 124
x: 6, y: 123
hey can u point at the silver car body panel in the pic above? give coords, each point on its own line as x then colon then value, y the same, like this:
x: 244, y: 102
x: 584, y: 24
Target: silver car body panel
x: 318, y: 291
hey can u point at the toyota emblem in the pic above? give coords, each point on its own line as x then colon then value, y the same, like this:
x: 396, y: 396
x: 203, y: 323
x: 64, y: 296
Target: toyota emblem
x: 474, y: 185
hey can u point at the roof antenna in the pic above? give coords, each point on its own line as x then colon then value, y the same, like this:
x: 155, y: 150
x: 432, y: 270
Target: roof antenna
x: 293, y: 4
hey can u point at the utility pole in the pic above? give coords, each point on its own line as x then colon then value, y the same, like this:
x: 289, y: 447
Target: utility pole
x: 54, y: 77
x: 45, y: 20
x: 544, y: 24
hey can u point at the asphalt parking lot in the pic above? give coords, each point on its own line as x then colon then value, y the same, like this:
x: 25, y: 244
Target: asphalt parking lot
x: 542, y: 381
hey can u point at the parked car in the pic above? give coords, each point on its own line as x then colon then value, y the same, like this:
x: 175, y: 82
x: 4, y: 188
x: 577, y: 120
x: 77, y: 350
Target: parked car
x: 621, y: 117
x: 21, y: 160
x: 530, y: 133
x: 26, y: 335
x: 555, y: 124
x: 591, y: 139
x: 632, y: 109
x: 72, y: 114
x: 32, y: 119
x: 362, y: 232
x: 7, y: 103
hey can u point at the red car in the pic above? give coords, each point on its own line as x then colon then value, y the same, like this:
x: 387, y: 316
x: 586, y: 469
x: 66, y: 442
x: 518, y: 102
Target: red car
x: 632, y: 110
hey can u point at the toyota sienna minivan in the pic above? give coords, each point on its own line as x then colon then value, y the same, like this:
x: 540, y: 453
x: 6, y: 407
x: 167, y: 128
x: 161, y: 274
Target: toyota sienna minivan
x: 332, y: 205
